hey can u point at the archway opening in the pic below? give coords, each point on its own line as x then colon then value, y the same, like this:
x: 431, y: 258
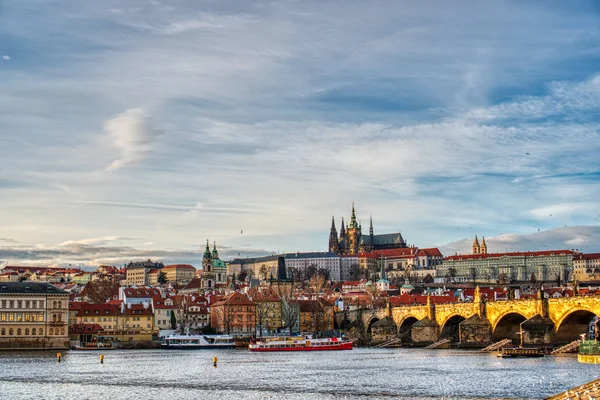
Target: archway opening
x: 509, y: 327
x: 450, y: 329
x: 573, y: 326
x: 404, y: 331
x: 370, y: 327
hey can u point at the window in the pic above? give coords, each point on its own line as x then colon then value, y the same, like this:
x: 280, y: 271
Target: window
x: 27, y: 304
x: 41, y: 303
x: 26, y: 331
x: 3, y: 332
x: 41, y: 331
x: 27, y: 317
x: 3, y: 317
x: 51, y: 331
x: 62, y: 331
x: 11, y: 317
x: 19, y: 304
x: 10, y: 332
x: 11, y: 304
x: 3, y: 303
x: 33, y: 331
x: 19, y: 332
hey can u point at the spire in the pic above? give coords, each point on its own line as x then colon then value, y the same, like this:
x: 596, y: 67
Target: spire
x: 371, y: 225
x: 343, y: 230
x: 215, y: 253
x: 334, y: 244
x: 483, y: 247
x: 476, y: 248
x: 207, y: 250
x: 353, y: 218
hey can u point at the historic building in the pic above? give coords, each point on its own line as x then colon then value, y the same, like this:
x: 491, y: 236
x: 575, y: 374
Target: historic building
x: 586, y: 267
x: 319, y: 260
x: 479, y: 248
x: 532, y: 266
x: 33, y: 316
x: 180, y: 273
x: 137, y: 272
x: 214, y: 270
x: 352, y: 241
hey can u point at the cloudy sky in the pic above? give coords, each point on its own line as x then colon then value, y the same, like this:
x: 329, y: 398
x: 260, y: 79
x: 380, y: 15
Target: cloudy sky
x: 134, y: 129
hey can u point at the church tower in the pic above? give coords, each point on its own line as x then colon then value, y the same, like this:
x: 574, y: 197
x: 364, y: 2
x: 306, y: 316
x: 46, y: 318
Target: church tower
x: 476, y: 247
x: 334, y: 245
x: 353, y: 233
x: 208, y: 277
x: 483, y: 247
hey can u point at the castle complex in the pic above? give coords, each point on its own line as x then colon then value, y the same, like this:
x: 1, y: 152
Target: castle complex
x: 352, y: 241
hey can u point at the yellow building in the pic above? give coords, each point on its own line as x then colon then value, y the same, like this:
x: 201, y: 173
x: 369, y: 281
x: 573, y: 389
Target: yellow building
x: 135, y: 322
x: 316, y: 315
x: 268, y: 311
x: 33, y: 316
x: 179, y: 273
x: 586, y: 267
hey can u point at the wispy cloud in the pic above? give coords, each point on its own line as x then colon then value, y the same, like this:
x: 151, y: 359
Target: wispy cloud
x: 133, y: 134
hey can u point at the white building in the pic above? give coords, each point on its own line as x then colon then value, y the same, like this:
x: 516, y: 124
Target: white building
x: 321, y: 260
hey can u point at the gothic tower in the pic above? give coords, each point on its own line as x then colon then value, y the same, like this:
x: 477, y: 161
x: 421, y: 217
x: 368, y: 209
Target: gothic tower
x: 483, y: 247
x: 476, y: 247
x: 334, y: 245
x: 353, y: 233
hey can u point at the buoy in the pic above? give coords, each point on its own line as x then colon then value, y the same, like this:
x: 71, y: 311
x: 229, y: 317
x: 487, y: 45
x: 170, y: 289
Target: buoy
x: 101, y: 358
x: 215, y: 359
x: 58, y: 356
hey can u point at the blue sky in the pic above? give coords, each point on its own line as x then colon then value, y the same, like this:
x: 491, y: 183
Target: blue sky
x: 141, y: 128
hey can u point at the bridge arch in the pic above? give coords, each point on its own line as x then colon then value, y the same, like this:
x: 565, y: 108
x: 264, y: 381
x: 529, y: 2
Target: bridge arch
x: 450, y: 328
x: 370, y: 325
x: 572, y: 324
x: 405, y: 326
x: 507, y: 326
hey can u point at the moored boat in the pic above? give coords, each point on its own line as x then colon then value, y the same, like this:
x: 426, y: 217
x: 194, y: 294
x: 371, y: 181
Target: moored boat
x: 299, y: 343
x: 94, y: 346
x: 513, y: 352
x: 198, y: 342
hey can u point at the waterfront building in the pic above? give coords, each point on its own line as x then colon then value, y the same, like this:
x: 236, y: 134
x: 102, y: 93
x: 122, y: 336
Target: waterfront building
x: 316, y: 315
x: 352, y: 241
x: 137, y: 272
x: 532, y: 266
x: 33, y: 315
x: 268, y: 310
x: 179, y: 273
x: 586, y: 267
x: 163, y: 307
x: 234, y: 314
x: 320, y: 260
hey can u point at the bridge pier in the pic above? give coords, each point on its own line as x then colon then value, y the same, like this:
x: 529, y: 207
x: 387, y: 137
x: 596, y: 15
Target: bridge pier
x: 537, y: 330
x: 475, y: 331
x: 425, y: 332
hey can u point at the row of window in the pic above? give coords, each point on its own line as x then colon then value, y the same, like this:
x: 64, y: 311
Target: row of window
x: 25, y: 304
x: 33, y: 332
x: 20, y: 317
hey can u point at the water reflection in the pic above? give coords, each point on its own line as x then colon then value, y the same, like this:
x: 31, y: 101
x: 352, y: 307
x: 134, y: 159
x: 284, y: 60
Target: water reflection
x: 361, y: 373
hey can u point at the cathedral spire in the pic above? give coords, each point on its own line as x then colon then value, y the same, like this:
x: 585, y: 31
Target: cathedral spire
x: 343, y: 230
x: 476, y: 247
x: 483, y: 247
x: 334, y: 245
x: 371, y: 225
x: 353, y: 218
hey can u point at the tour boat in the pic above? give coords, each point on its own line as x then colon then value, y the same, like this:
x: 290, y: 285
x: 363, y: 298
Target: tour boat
x: 198, y: 342
x: 94, y: 346
x: 513, y: 352
x: 300, y: 343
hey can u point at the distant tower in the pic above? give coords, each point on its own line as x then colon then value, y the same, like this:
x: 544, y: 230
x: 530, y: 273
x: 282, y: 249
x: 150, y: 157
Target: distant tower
x: 353, y: 234
x: 208, y: 277
x: 343, y: 230
x: 215, y: 253
x: 483, y: 247
x: 334, y: 245
x: 371, y: 226
x: 476, y: 247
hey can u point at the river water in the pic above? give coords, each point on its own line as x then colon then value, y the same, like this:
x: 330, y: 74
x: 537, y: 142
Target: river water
x: 357, y: 374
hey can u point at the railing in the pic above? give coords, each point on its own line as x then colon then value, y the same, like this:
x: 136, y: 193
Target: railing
x: 498, y: 345
x: 572, y: 347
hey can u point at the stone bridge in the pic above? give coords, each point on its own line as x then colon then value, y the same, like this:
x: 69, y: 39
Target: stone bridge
x: 534, y: 321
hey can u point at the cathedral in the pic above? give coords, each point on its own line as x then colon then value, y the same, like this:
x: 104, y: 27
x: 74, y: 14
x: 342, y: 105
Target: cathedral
x: 352, y: 241
x: 214, y: 270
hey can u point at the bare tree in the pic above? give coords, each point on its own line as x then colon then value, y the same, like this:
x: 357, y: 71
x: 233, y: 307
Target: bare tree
x: 290, y: 314
x: 355, y: 272
x: 100, y: 291
x: 226, y: 316
x: 263, y: 272
x: 265, y: 312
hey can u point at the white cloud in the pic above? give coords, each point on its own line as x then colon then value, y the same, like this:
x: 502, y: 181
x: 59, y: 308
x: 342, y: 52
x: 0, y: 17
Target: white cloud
x: 5, y: 57
x: 133, y: 134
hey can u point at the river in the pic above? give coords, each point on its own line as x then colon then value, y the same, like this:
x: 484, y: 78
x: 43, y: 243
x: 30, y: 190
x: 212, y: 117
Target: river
x: 357, y: 374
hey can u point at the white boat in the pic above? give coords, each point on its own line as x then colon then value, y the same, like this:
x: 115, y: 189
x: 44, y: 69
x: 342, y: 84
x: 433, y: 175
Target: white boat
x: 198, y: 342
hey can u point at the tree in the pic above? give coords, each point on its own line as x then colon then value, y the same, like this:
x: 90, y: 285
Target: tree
x: 355, y: 272
x: 310, y: 271
x: 242, y: 275
x: 173, y: 320
x: 473, y: 273
x: 295, y: 274
x: 317, y: 316
x: 503, y: 278
x: 265, y: 311
x: 533, y: 278
x: 450, y: 275
x: 428, y: 279
x: 100, y: 291
x: 290, y: 313
x: 263, y: 272
x: 318, y: 282
x: 162, y: 277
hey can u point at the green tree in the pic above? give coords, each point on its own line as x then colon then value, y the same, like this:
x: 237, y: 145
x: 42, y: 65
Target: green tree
x: 162, y: 277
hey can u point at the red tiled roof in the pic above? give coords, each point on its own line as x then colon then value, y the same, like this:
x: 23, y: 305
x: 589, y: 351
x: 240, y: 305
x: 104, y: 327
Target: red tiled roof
x: 97, y: 309
x: 185, y: 266
x: 141, y: 292
x: 431, y: 252
x: 85, y: 328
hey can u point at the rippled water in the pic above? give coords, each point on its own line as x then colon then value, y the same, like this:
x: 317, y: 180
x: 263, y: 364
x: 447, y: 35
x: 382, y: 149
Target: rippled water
x: 356, y: 374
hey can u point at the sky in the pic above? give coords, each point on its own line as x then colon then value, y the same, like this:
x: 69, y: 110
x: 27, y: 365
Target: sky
x: 141, y: 129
